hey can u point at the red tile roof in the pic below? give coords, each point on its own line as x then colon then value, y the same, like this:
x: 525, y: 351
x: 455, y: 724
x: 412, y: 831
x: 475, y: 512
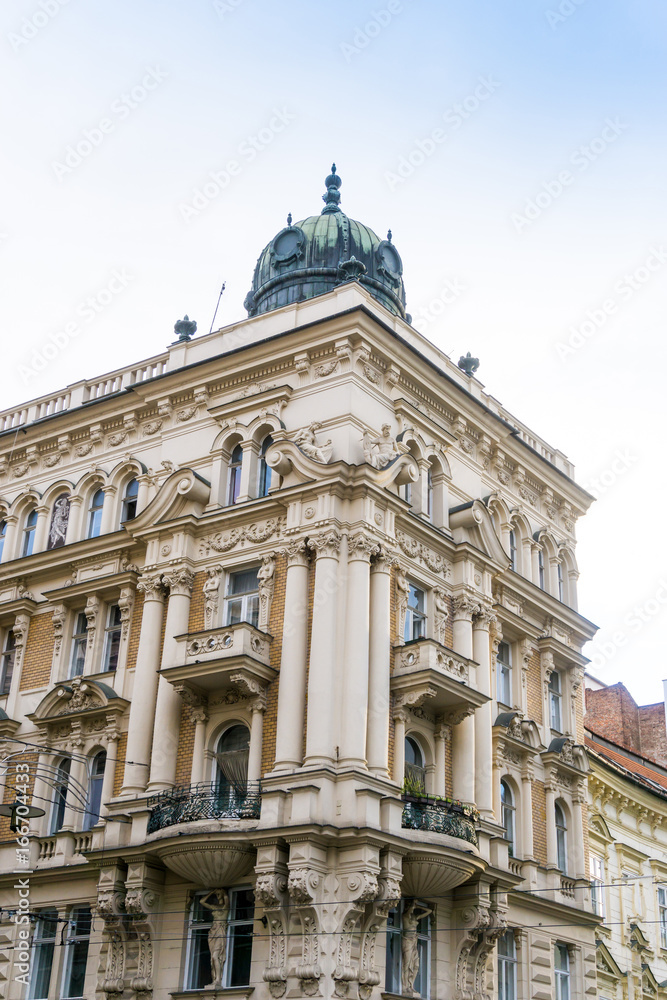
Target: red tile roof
x: 655, y: 774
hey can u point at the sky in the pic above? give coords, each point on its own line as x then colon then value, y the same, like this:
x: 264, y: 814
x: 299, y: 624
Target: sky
x: 516, y: 150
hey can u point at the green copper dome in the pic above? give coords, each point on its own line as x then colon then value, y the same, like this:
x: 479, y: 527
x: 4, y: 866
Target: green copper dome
x: 311, y: 257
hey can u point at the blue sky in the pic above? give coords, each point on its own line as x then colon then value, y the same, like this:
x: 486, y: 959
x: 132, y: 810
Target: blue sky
x: 541, y: 202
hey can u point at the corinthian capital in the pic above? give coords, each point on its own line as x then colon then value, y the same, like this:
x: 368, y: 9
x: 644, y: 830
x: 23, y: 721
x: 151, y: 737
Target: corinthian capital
x: 465, y: 606
x: 483, y: 618
x: 296, y: 552
x: 151, y: 586
x: 179, y: 580
x: 362, y: 546
x: 326, y: 544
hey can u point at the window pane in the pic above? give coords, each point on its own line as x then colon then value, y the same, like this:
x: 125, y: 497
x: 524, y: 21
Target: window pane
x: 200, y: 960
x: 244, y: 582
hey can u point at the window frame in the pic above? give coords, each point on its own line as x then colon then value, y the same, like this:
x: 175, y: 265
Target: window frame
x: 556, y: 701
x: 504, y: 674
x: 414, y: 773
x: 233, y: 923
x: 249, y: 599
x: 541, y: 575
x: 562, y: 976
x: 72, y: 941
x: 234, y: 473
x: 95, y: 787
x: 95, y: 514
x: 29, y: 533
x: 79, y: 641
x: 416, y: 618
x: 59, y: 800
x: 111, y: 629
x: 596, y: 871
x: 129, y: 502
x: 507, y: 968
x: 508, y: 816
x: 40, y: 944
x: 265, y: 472
x: 7, y: 662
x: 561, y: 838
x: 513, y: 550
x: 3, y: 535
x: 395, y: 930
x: 662, y: 915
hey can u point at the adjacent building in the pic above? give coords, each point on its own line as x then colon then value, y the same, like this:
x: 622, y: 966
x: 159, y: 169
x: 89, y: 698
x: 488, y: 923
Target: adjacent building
x: 291, y: 664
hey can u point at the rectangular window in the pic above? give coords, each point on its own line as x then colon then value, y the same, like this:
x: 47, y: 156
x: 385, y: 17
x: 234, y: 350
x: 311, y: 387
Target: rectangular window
x: 555, y: 702
x: 242, y: 602
x: 662, y: 914
x: 79, y: 642
x: 504, y: 674
x: 597, y: 883
x: 7, y: 663
x: 562, y: 972
x: 76, y: 953
x: 41, y: 963
x: 507, y: 966
x: 112, y: 639
x: 408, y: 940
x: 226, y: 932
x: 415, y: 616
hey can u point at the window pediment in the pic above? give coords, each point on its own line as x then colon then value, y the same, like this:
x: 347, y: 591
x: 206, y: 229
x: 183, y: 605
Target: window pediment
x: 80, y: 696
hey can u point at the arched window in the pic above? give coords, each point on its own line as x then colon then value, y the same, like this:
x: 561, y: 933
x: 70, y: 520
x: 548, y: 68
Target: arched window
x: 508, y: 810
x: 129, y: 502
x: 555, y: 701
x: 95, y: 790
x: 513, y: 550
x: 29, y: 531
x: 540, y: 567
x: 429, y: 492
x: 3, y: 535
x: 504, y: 674
x: 414, y: 782
x: 95, y: 514
x: 7, y: 659
x: 561, y: 838
x: 561, y: 583
x: 60, y: 784
x: 231, y: 776
x: 264, y: 469
x: 234, y: 482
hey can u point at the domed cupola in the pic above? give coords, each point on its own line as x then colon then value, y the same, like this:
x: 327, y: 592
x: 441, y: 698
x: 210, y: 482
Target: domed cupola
x: 311, y: 257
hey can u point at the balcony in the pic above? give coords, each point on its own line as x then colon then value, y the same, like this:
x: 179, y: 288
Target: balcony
x: 206, y: 800
x: 440, y: 816
x: 426, y: 672
x: 222, y: 659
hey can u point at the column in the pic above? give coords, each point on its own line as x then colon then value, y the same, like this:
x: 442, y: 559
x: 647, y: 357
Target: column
x: 109, y: 772
x: 577, y: 838
x: 322, y: 677
x: 484, y: 714
x: 110, y: 519
x: 142, y: 709
x: 77, y: 795
x: 42, y: 529
x: 527, y: 815
x: 399, y: 746
x: 379, y: 666
x: 441, y: 735
x: 74, y: 529
x: 42, y: 793
x: 463, y: 732
x: 552, y: 850
x: 168, y: 707
x: 354, y: 715
x: 258, y: 707
x: 198, y: 771
x: 11, y: 540
x: 293, y: 662
x: 249, y: 469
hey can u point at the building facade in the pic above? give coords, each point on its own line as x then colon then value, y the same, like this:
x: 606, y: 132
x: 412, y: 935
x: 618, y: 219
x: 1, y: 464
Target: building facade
x: 291, y: 663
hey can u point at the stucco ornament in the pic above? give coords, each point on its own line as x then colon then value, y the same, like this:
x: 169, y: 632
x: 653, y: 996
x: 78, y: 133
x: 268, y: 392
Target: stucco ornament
x: 441, y: 614
x: 381, y: 450
x: 265, y: 579
x: 402, y: 595
x: 306, y: 440
x: 409, y: 948
x: 217, y: 935
x: 211, y: 590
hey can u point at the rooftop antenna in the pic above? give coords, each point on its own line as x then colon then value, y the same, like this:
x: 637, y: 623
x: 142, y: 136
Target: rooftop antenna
x: 217, y: 306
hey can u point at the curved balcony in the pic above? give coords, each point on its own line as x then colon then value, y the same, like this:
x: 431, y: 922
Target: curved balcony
x: 206, y: 800
x: 440, y: 816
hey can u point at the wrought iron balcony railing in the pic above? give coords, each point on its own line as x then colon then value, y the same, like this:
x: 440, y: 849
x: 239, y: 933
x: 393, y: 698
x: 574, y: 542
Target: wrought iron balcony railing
x: 440, y: 816
x: 206, y: 800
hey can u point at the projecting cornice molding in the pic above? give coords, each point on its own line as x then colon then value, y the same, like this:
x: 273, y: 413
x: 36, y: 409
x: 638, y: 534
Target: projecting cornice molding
x: 472, y: 523
x: 183, y: 492
x: 287, y: 459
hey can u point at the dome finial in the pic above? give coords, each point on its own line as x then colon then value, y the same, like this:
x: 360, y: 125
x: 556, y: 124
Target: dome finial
x: 332, y: 197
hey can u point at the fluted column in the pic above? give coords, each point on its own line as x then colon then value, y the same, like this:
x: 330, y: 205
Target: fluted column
x: 293, y: 661
x: 399, y: 746
x: 168, y: 707
x: 109, y: 772
x: 484, y: 714
x: 463, y: 732
x: 552, y: 849
x: 379, y: 696
x: 140, y: 729
x: 321, y: 676
x: 354, y: 716
x: 527, y: 814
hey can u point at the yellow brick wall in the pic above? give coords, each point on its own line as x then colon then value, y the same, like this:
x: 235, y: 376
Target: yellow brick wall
x: 38, y: 655
x: 10, y: 793
x: 276, y: 630
x: 186, y: 745
x: 534, y: 688
x: 135, y: 630
x: 197, y: 623
x: 539, y: 822
x: 121, y: 751
x: 392, y: 636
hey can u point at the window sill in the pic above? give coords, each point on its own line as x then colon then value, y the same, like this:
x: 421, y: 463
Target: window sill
x: 227, y: 991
